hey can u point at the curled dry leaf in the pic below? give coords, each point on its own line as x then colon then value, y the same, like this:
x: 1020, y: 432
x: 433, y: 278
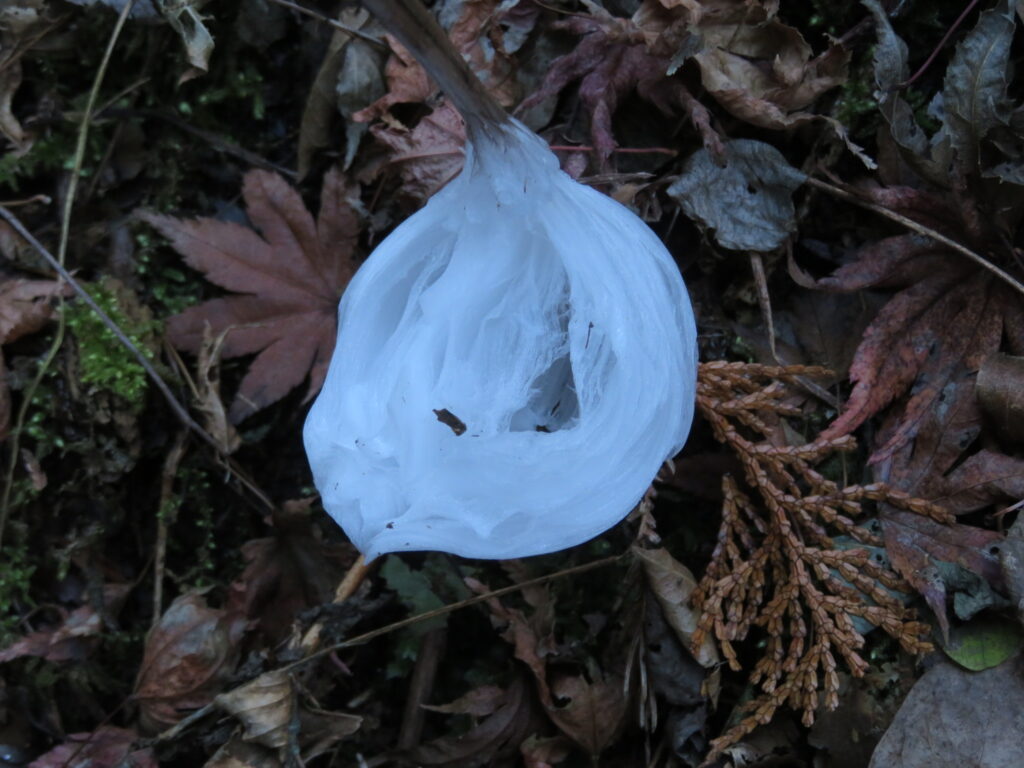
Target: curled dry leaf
x: 292, y: 273
x: 428, y: 156
x: 269, y: 710
x: 430, y: 153
x: 672, y: 585
x: 189, y: 656
x: 761, y: 70
x: 593, y: 712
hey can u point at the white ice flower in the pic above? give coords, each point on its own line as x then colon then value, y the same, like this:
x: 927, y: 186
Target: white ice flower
x: 544, y: 318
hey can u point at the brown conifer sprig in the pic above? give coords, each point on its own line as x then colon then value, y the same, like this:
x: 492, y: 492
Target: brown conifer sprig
x: 776, y: 566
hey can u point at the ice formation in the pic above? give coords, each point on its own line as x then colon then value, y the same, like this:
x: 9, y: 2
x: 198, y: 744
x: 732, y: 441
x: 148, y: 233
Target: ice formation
x: 513, y: 365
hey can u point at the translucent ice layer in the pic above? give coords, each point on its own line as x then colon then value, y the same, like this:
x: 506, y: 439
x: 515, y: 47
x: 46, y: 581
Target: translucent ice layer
x: 513, y: 365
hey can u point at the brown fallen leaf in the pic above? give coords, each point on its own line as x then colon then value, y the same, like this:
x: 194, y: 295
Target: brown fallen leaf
x: 589, y: 709
x: 269, y: 709
x: 241, y: 754
x: 189, y: 656
x: 407, y: 83
x: 292, y: 273
x: 916, y: 546
x: 954, y: 718
x: 672, y: 585
x: 25, y: 307
x: 479, y: 702
x: 74, y: 638
x: 106, y: 747
x: 617, y: 57
x: 1001, y: 392
x: 476, y: 34
x: 593, y: 712
x: 289, y: 572
x: 498, y: 734
x: 947, y: 317
x: 428, y: 156
x: 761, y: 70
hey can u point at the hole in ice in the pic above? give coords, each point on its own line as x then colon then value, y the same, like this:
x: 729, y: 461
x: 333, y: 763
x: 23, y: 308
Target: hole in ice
x: 552, y: 404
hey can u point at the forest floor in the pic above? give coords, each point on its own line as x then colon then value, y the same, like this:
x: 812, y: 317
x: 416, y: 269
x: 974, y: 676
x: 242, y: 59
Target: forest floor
x: 830, y: 574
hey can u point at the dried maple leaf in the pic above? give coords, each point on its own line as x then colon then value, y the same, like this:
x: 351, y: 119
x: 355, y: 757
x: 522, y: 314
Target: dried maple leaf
x: 616, y: 57
x: 428, y: 156
x: 476, y: 35
x: 945, y: 319
x: 948, y: 314
x: 293, y: 272
x: 757, y: 68
x: 288, y: 572
x: 921, y: 466
x: 429, y: 153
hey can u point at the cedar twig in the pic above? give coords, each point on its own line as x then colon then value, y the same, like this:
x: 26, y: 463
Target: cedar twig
x: 777, y: 567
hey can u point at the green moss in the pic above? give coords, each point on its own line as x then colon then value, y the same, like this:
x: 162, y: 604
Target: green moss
x: 16, y: 572
x: 104, y: 362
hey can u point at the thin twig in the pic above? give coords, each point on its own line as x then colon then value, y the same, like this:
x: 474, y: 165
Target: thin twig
x: 199, y: 714
x: 327, y: 20
x: 43, y: 199
x: 217, y: 142
x: 921, y: 229
x: 942, y: 44
x: 65, y: 228
x: 166, y: 513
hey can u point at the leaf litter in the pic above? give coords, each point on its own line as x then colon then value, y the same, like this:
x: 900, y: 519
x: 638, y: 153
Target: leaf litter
x: 567, y: 670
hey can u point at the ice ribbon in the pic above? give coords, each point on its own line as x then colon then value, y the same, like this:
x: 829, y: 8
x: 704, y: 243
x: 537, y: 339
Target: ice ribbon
x: 513, y: 365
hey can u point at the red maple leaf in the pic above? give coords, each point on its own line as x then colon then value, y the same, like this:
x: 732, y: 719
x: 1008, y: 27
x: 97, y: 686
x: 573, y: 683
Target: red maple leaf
x: 291, y: 273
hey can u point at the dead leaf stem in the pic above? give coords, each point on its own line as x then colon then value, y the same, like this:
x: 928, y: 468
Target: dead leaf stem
x: 165, y: 515
x: 921, y: 229
x: 332, y: 22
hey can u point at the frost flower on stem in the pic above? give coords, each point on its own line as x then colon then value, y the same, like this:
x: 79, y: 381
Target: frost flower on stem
x: 513, y: 365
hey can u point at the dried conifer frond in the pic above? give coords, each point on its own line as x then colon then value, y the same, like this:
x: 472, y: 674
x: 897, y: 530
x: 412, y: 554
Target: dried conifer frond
x: 777, y: 566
